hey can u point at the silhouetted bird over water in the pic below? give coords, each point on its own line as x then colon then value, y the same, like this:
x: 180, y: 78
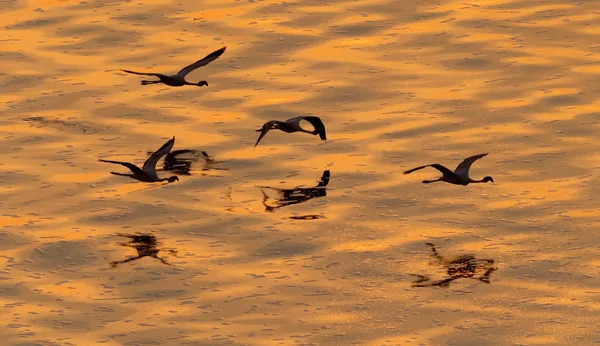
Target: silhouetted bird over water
x: 465, y: 266
x: 460, y: 176
x: 178, y: 79
x: 293, y: 125
x: 145, y: 245
x: 148, y: 172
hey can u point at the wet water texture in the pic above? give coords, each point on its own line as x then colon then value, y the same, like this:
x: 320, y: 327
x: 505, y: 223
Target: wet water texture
x: 300, y: 241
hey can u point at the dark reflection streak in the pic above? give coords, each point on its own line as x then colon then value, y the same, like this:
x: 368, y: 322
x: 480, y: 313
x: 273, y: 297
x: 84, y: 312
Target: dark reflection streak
x: 465, y: 266
x: 145, y: 245
x: 228, y: 193
x: 146, y: 188
x: 84, y: 128
x: 306, y: 217
x: 209, y: 162
x: 176, y: 162
x: 295, y: 195
x: 181, y: 161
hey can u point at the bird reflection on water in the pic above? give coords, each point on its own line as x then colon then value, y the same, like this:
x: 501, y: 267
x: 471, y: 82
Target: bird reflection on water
x: 296, y: 195
x: 146, y: 246
x: 465, y: 266
x: 305, y: 217
x: 181, y: 161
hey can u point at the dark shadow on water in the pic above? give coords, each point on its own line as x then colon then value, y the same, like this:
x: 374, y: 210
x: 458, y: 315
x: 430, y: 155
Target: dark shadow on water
x: 286, y: 197
x: 64, y: 125
x: 146, y: 245
x: 465, y: 266
x: 182, y: 161
x: 306, y: 217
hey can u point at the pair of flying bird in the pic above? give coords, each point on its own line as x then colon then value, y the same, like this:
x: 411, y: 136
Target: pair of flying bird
x: 147, y: 173
x: 177, y: 80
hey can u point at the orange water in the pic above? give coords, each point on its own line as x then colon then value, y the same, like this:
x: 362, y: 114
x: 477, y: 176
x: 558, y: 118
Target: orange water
x: 398, y: 84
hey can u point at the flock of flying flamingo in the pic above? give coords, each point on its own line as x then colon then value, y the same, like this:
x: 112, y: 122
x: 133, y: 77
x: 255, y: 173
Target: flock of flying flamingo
x: 466, y: 266
x: 460, y: 176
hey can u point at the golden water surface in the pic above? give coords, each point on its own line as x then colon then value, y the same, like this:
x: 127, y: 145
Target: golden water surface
x: 398, y: 84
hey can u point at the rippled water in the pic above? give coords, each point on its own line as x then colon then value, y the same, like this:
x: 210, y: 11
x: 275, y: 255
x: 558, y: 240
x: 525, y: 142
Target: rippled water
x: 256, y: 252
